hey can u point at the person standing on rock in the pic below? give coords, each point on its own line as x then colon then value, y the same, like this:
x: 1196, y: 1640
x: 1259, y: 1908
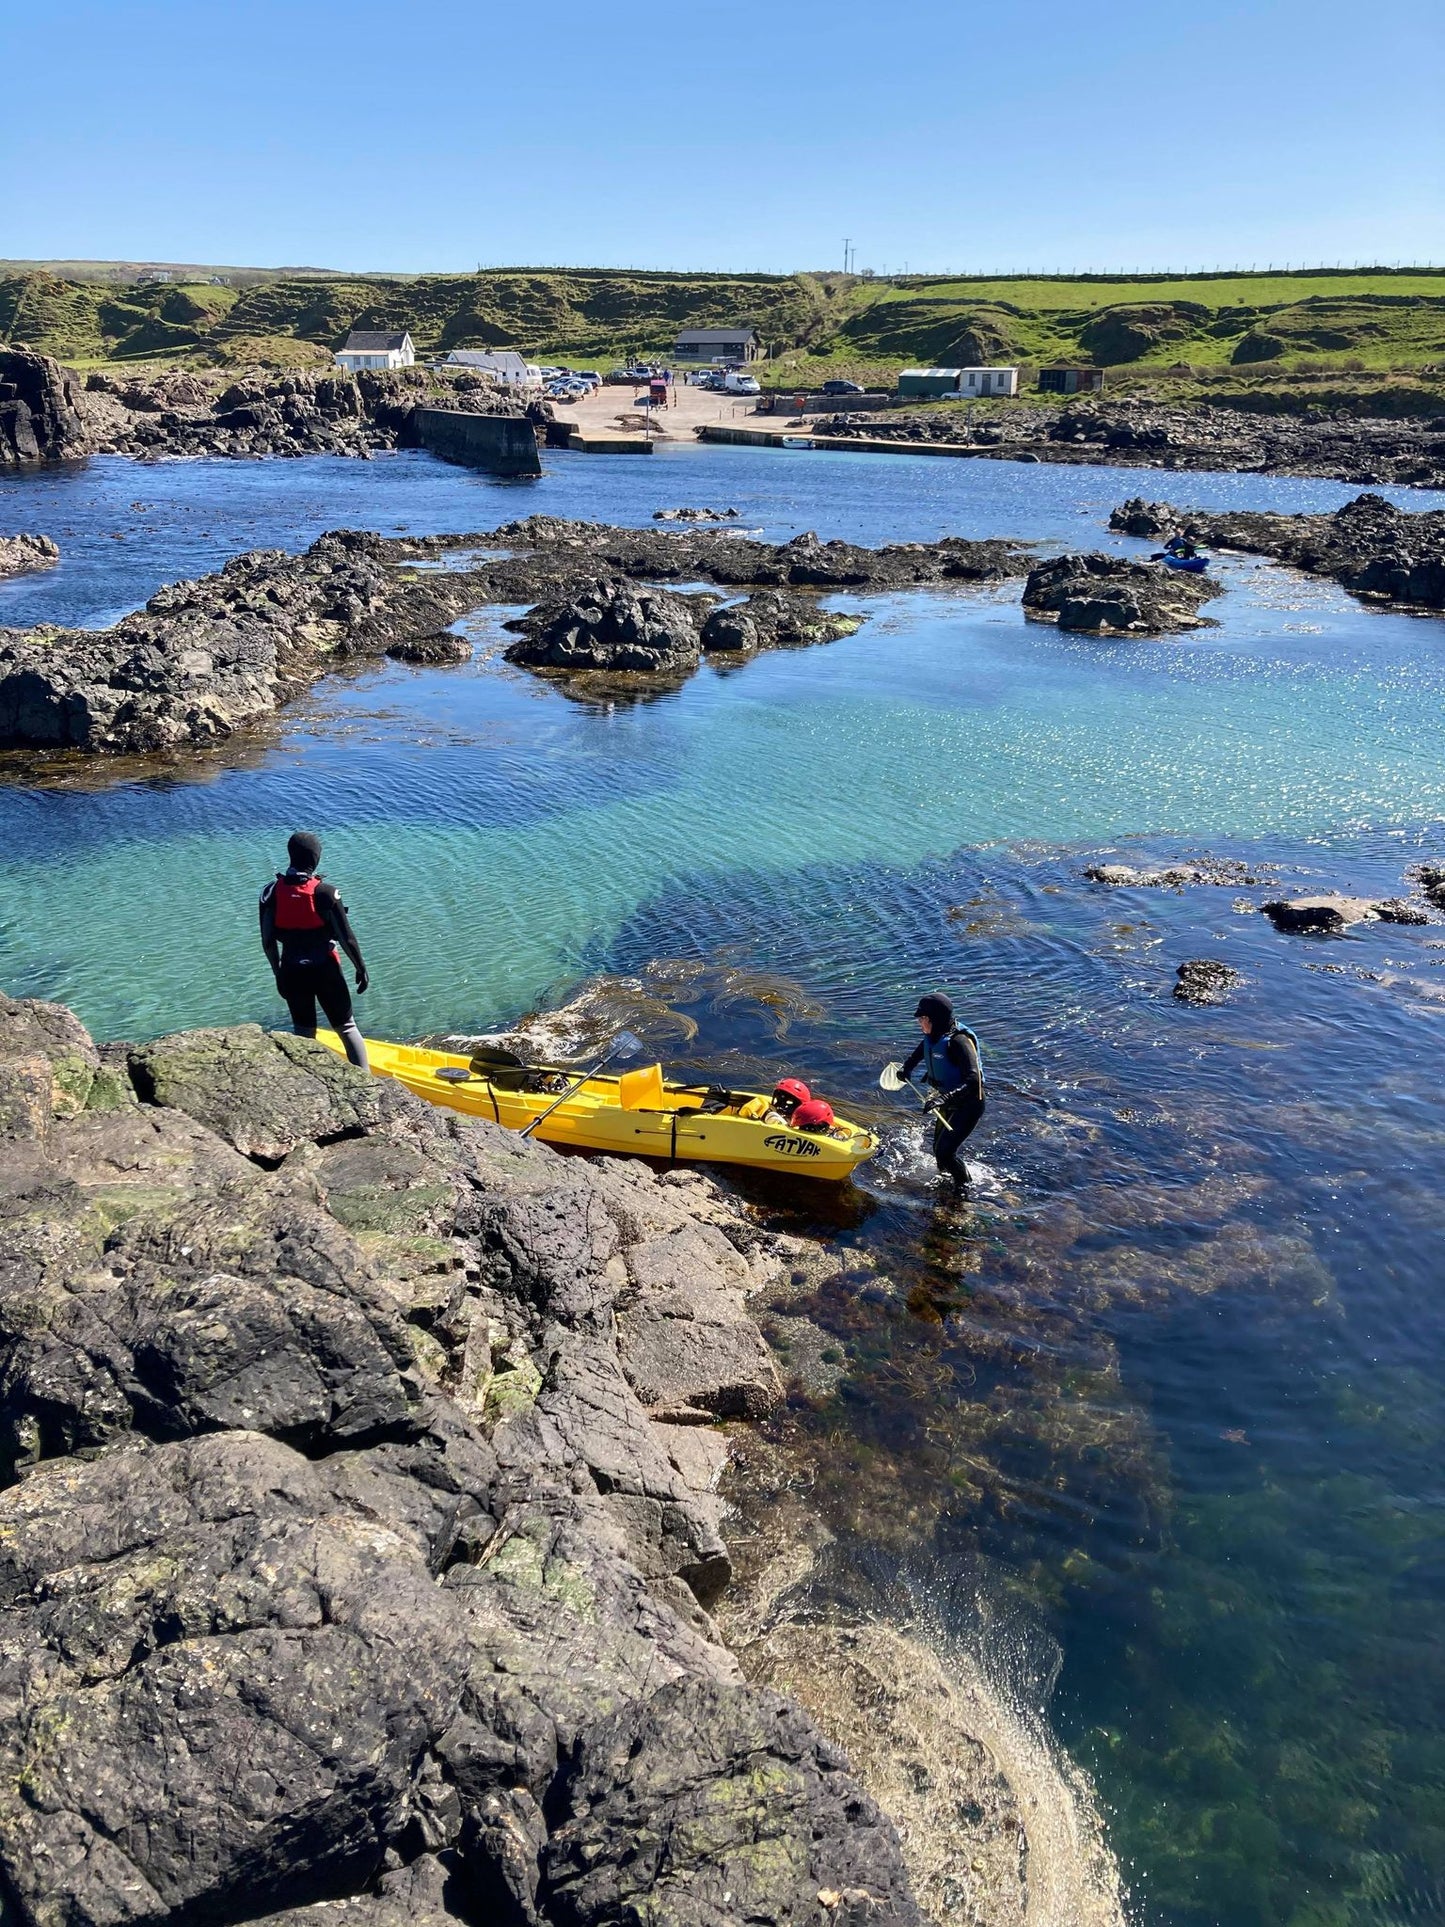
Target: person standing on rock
x: 949, y: 1055
x: 304, y: 926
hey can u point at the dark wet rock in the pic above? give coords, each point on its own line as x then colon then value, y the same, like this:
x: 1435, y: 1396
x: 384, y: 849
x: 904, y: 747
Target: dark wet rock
x: 1369, y: 546
x: 708, y: 1804
x: 1204, y: 980
x: 1101, y: 593
x: 613, y: 626
x: 1432, y: 882
x: 429, y: 651
x: 737, y: 561
x: 695, y: 515
x: 1399, y: 910
x: 1177, y: 435
x: 1328, y: 914
x: 774, y: 619
x: 20, y: 554
x: 186, y: 412
x: 40, y: 410
x: 205, y: 658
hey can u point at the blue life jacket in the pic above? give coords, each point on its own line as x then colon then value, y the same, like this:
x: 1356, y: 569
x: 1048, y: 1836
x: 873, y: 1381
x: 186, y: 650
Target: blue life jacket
x: 939, y: 1068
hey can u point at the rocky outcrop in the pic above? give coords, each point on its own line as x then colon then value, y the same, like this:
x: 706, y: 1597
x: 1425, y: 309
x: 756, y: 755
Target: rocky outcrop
x: 205, y: 658
x: 1102, y: 594
x: 19, y: 554
x: 185, y: 412
x: 345, y: 1571
x: 613, y: 626
x: 695, y: 515
x: 737, y: 561
x: 1325, y: 914
x: 40, y: 413
x: 1138, y: 433
x: 774, y: 619
x: 1369, y: 546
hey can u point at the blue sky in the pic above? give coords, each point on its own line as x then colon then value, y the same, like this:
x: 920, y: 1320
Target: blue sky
x: 1051, y: 136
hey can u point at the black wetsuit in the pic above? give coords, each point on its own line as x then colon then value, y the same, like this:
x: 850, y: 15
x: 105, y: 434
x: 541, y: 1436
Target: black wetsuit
x: 954, y: 1070
x: 308, y: 970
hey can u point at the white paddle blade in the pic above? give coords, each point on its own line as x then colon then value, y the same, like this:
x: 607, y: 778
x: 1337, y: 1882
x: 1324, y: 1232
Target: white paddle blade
x: 891, y: 1077
x: 626, y: 1044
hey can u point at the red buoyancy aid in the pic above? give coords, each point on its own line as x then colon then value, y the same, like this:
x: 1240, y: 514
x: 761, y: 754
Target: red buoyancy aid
x: 296, y: 910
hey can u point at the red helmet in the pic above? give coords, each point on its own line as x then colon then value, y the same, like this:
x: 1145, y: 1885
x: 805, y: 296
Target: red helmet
x: 815, y: 1115
x: 789, y: 1093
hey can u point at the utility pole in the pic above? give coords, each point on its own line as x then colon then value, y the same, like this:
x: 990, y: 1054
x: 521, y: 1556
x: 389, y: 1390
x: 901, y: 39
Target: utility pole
x: 846, y: 245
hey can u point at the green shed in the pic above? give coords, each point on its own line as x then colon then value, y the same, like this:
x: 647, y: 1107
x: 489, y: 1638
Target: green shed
x: 929, y: 381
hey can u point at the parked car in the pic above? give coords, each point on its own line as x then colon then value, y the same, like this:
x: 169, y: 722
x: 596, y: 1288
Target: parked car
x: 842, y: 388
x: 590, y: 376
x: 735, y: 384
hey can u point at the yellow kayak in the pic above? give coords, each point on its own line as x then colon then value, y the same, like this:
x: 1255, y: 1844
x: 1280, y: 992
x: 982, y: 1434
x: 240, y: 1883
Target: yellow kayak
x: 636, y: 1111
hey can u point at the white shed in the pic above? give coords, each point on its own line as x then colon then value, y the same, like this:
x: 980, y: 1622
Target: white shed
x: 506, y: 366
x: 988, y: 381
x: 376, y: 348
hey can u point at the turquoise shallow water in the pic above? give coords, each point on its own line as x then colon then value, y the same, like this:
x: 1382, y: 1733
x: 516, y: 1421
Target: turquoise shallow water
x: 1177, y: 1375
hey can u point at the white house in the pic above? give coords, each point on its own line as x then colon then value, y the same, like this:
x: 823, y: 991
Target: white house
x: 506, y: 366
x: 988, y: 381
x: 376, y: 348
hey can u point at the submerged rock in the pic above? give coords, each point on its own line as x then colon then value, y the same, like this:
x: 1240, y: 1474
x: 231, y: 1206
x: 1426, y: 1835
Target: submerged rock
x: 1204, y: 980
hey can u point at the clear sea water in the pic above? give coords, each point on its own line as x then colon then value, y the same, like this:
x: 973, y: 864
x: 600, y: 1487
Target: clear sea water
x: 1176, y: 1373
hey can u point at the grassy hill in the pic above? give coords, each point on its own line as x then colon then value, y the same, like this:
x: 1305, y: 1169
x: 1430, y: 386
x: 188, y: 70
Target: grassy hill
x: 1237, y: 330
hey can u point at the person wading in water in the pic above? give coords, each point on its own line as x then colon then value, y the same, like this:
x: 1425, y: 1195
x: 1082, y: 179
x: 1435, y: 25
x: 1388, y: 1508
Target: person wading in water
x: 303, y: 924
x: 949, y: 1055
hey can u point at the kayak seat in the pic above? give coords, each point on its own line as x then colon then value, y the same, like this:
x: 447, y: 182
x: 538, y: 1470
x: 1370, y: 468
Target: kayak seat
x: 641, y: 1090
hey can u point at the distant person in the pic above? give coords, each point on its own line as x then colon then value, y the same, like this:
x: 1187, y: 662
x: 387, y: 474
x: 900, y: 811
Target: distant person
x: 949, y: 1055
x: 303, y: 926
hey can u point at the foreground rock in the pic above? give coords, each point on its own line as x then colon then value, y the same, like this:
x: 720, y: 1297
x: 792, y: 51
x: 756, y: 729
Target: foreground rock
x: 19, y: 554
x: 1369, y: 546
x: 1102, y: 594
x: 1143, y: 434
x: 341, y: 1559
x: 40, y: 410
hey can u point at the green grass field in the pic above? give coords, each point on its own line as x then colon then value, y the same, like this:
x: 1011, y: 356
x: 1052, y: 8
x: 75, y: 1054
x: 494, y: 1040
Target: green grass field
x: 1237, y: 330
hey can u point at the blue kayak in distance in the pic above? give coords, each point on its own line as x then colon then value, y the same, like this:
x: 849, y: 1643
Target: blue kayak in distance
x: 1191, y: 564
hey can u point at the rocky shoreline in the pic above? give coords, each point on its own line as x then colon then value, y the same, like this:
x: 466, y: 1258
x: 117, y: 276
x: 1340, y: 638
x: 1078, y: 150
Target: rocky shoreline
x: 48, y: 414
x: 359, y: 1528
x: 207, y: 658
x: 1370, y: 547
x: 1140, y: 434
